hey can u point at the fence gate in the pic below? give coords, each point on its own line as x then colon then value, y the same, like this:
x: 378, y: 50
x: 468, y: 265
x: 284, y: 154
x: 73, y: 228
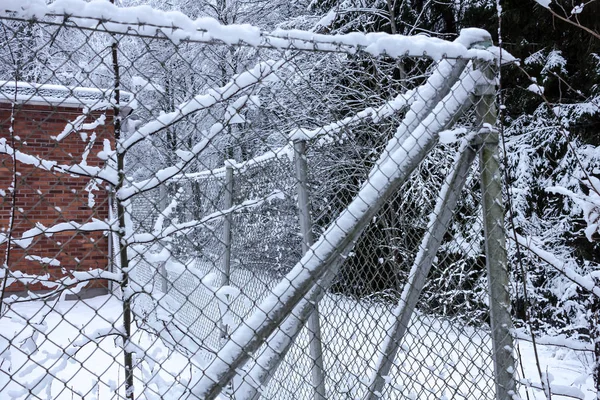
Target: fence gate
x: 192, y: 210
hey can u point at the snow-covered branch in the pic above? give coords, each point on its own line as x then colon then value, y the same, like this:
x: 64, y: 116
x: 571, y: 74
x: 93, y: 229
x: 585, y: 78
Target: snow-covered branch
x: 328, y: 132
x: 589, y: 204
x: 583, y: 282
x: 73, y: 284
x: 182, y: 227
x: 186, y: 157
x: 53, y: 262
x: 166, y: 213
x: 94, y: 226
x: 26, y: 279
x: 568, y: 17
x: 79, y: 125
x: 237, y: 85
x: 24, y: 158
x: 106, y: 173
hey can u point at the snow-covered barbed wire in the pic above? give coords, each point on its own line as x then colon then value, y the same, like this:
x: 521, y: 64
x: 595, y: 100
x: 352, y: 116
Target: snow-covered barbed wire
x: 146, y: 21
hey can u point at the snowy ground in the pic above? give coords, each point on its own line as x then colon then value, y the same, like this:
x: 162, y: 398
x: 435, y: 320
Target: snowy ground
x: 569, y: 372
x: 97, y: 371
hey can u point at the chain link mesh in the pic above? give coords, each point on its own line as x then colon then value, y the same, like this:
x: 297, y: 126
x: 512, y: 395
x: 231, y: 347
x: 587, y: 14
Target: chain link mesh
x: 151, y: 240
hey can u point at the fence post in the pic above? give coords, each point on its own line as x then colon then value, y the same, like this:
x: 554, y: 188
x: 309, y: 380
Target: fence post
x: 113, y: 245
x: 495, y: 238
x: 314, y: 326
x: 163, y: 203
x: 226, y: 238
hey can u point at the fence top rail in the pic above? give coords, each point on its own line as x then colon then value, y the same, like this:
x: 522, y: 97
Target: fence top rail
x: 176, y: 26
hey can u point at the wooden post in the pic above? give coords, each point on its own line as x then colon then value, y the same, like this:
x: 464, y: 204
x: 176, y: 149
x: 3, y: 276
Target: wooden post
x: 314, y: 326
x: 438, y: 224
x: 495, y: 239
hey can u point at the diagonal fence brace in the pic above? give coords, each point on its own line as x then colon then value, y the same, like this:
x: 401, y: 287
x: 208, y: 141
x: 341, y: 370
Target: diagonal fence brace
x: 387, y: 176
x: 438, y: 225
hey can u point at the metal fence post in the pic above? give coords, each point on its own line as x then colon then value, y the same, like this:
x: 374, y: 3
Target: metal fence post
x: 314, y: 326
x: 162, y: 206
x: 226, y: 238
x: 113, y: 245
x: 495, y: 239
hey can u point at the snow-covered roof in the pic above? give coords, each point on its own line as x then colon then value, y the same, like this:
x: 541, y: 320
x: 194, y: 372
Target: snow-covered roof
x: 62, y: 96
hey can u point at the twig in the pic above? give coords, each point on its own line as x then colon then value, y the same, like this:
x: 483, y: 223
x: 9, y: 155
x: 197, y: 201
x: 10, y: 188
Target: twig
x: 574, y: 23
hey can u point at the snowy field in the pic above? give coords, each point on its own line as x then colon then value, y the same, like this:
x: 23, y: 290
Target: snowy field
x: 96, y: 370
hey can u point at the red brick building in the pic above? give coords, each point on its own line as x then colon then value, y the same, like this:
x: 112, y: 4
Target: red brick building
x: 53, y: 126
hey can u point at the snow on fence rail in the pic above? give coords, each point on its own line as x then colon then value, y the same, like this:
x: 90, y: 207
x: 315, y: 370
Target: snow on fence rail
x: 263, y: 224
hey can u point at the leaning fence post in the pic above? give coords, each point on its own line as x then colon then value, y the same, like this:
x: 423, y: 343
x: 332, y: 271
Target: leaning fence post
x: 436, y: 229
x: 226, y: 238
x: 495, y: 238
x: 314, y: 326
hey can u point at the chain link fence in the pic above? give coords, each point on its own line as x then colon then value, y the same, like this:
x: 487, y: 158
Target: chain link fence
x: 197, y: 211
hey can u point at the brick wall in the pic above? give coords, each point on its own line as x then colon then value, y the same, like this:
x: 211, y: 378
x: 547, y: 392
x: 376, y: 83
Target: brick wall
x: 52, y: 197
